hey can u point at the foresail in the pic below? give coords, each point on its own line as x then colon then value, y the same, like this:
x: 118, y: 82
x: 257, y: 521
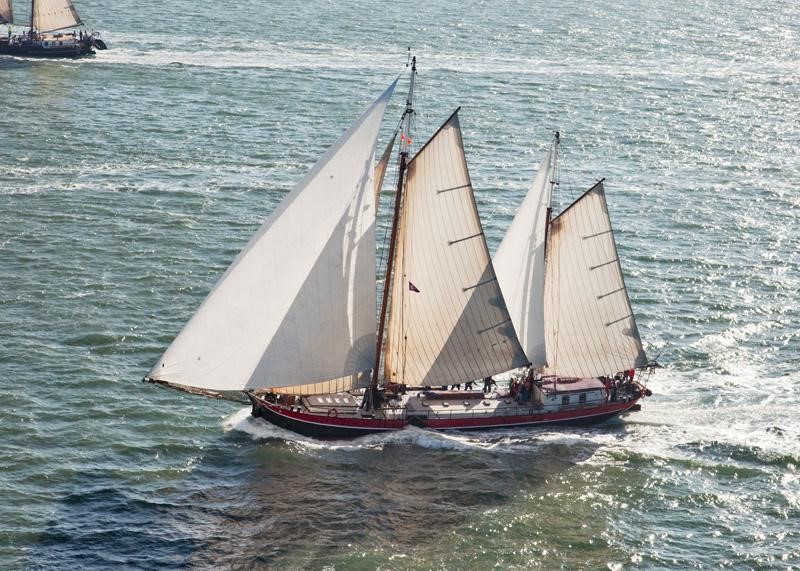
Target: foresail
x: 448, y: 321
x: 380, y: 169
x: 6, y: 12
x: 519, y: 263
x: 590, y: 324
x: 297, y: 305
x: 50, y: 15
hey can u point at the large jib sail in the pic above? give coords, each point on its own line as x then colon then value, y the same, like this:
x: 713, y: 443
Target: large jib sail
x: 448, y: 319
x: 361, y: 379
x: 6, y: 12
x: 591, y: 330
x: 51, y: 15
x: 519, y: 262
x: 297, y: 306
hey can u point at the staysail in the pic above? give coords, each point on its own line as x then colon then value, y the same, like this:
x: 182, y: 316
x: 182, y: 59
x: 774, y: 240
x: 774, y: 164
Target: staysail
x: 6, y: 12
x: 591, y: 330
x: 519, y: 262
x: 297, y: 305
x: 51, y: 15
x: 380, y: 169
x: 448, y: 319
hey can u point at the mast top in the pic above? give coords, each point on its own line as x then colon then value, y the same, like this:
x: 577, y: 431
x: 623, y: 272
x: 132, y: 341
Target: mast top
x: 405, y: 139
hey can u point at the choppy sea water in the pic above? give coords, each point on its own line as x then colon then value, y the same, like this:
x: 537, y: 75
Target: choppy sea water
x: 130, y: 180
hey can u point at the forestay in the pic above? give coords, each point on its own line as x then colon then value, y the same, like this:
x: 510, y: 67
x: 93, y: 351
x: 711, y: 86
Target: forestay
x: 6, y: 12
x: 448, y: 321
x: 591, y: 330
x: 51, y: 15
x: 297, y: 305
x: 519, y: 262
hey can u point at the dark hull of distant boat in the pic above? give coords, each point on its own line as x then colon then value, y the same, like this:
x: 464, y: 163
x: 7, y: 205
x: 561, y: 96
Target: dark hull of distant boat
x: 332, y: 425
x: 35, y: 49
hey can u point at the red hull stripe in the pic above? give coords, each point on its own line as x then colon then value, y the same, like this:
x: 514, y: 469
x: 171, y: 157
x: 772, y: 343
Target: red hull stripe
x: 525, y: 420
x: 336, y: 422
x: 373, y: 425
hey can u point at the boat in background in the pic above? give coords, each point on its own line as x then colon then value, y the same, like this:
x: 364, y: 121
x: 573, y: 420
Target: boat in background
x: 52, y: 31
x: 291, y: 323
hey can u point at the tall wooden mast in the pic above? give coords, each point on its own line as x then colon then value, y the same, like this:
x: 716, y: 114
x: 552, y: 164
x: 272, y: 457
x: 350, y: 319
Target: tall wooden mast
x: 405, y: 143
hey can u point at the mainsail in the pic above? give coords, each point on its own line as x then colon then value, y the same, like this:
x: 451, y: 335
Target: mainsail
x: 50, y: 15
x: 6, y: 12
x: 519, y: 262
x: 297, y: 305
x: 448, y: 319
x: 591, y: 330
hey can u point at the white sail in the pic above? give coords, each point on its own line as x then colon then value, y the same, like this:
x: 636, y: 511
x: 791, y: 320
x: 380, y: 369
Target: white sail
x: 50, y: 15
x: 591, y: 330
x: 448, y: 321
x: 6, y: 12
x: 380, y: 170
x: 297, y: 306
x: 519, y: 262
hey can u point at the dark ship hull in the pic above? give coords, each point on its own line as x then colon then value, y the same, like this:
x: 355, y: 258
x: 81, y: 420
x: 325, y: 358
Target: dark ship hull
x: 51, y: 48
x: 443, y: 412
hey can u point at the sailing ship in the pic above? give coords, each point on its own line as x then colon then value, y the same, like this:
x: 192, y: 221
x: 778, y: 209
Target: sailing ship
x: 292, y: 322
x: 52, y: 31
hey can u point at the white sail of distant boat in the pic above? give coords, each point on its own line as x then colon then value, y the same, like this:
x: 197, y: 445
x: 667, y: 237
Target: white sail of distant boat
x: 448, y: 320
x: 297, y: 306
x: 564, y: 285
x: 52, y: 15
x: 6, y: 12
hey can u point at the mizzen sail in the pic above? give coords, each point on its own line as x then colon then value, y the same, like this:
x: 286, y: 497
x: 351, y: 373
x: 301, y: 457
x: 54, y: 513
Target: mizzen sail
x: 591, y: 330
x: 297, y: 305
x: 519, y: 262
x: 448, y: 319
x: 6, y: 12
x: 50, y: 15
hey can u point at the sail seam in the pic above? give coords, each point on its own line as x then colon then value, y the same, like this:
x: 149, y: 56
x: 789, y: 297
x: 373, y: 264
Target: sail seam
x: 479, y: 284
x: 603, y: 264
x: 495, y: 326
x: 601, y: 296
x: 451, y: 242
x: 597, y: 235
x: 454, y: 188
x: 610, y: 323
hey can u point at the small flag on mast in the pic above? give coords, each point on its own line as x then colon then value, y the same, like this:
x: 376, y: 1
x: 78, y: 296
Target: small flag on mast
x: 412, y: 287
